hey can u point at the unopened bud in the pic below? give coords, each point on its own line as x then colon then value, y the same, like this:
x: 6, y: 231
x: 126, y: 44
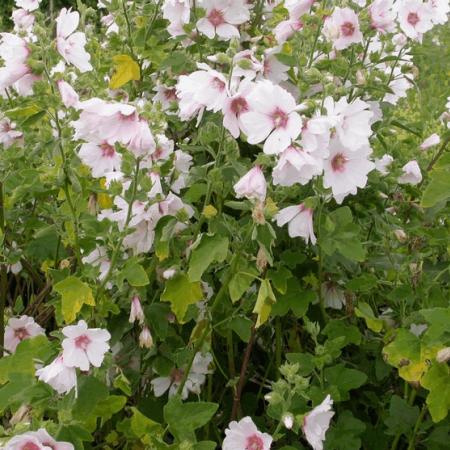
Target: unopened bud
x: 360, y: 77
x: 261, y: 259
x: 145, y: 338
x: 288, y: 420
x: 136, y: 312
x: 258, y: 214
x: 443, y: 355
x: 400, y: 235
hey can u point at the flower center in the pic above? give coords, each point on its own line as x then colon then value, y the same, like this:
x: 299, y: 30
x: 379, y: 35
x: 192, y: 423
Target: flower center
x: 338, y: 162
x: 30, y: 446
x: 176, y: 375
x: 218, y: 84
x: 21, y: 333
x: 107, y: 150
x: 216, y: 17
x: 280, y: 118
x: 170, y: 94
x: 82, y: 342
x: 347, y: 29
x: 239, y: 105
x: 413, y: 18
x: 254, y: 442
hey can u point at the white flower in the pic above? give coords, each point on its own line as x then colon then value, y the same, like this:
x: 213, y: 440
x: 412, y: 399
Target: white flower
x: 271, y: 117
x: 178, y: 13
x: 145, y: 338
x: 315, y: 135
x: 346, y: 170
x: 288, y: 420
x: 28, y: 5
x: 382, y: 17
x: 383, y: 163
x: 221, y: 18
x: 68, y: 95
x: 194, y: 381
x: 99, y: 258
x: 59, y: 376
x: 70, y: 45
x: 36, y: 440
x: 19, y: 329
x: 300, y: 222
x: 101, y: 158
x: 333, y: 296
x: 350, y: 120
x: 252, y: 185
x: 296, y: 166
x: 342, y: 28
x: 203, y: 89
x: 418, y: 329
x: 84, y: 346
x: 246, y: 65
x: 244, y: 435
x: 440, y: 10
x: 23, y: 20
x: 273, y: 69
x: 415, y: 18
x: 430, y: 141
x: 399, y: 85
x: 317, y: 422
x: 234, y: 106
x: 8, y: 134
x: 136, y: 311
x: 411, y: 173
x: 165, y: 95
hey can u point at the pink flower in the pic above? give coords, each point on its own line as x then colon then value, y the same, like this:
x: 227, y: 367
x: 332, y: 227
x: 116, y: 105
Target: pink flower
x: 415, y: 18
x: 252, y: 185
x: 271, y: 117
x: 315, y: 135
x: 440, y: 10
x: 28, y: 5
x: 19, y: 329
x: 178, y: 13
x: 382, y: 16
x: 145, y: 338
x: 246, y: 65
x: 296, y: 165
x: 68, y: 95
x: 234, y: 106
x: 300, y: 222
x: 244, y: 435
x: 345, y: 171
x: 23, y: 20
x: 221, y: 18
x: 36, y: 440
x: 383, y: 163
x: 70, y: 45
x: 203, y: 89
x: 101, y: 158
x: 165, y: 95
x: 317, y: 422
x: 59, y: 376
x: 273, y: 69
x: 285, y: 29
x: 430, y: 141
x: 411, y: 173
x: 333, y: 296
x: 142, y: 142
x: 136, y: 311
x: 84, y: 346
x: 8, y: 133
x: 342, y: 28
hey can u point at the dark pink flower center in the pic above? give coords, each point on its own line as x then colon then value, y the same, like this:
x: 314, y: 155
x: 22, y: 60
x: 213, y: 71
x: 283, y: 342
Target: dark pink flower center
x: 82, y: 342
x: 347, y: 29
x: 107, y: 151
x: 218, y: 84
x: 254, y: 442
x: 413, y: 18
x: 280, y: 118
x: 30, y: 446
x: 21, y: 333
x: 176, y: 375
x: 170, y: 94
x: 239, y: 105
x: 338, y: 162
x: 216, y: 17
x: 5, y: 127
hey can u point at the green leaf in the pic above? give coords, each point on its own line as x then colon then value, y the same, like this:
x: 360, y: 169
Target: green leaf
x: 242, y: 326
x: 295, y: 299
x: 142, y: 426
x: 241, y: 281
x: 184, y: 418
x: 110, y: 406
x: 126, y: 69
x: 279, y: 278
x: 402, y: 416
x: 364, y: 311
x: 90, y: 392
x: 438, y: 189
x: 338, y: 328
x: 181, y: 293
x: 74, y: 294
x: 344, y: 379
x: 134, y: 273
x: 345, y: 434
x: 263, y: 307
x: 210, y: 249
x: 163, y: 235
x: 437, y: 381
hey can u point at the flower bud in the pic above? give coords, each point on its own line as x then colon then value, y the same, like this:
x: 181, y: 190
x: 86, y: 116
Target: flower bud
x: 400, y: 235
x: 288, y: 420
x: 136, y: 312
x: 145, y: 338
x: 443, y: 355
x: 360, y: 77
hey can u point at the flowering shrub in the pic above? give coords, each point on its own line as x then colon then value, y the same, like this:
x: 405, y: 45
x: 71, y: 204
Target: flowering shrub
x: 220, y: 227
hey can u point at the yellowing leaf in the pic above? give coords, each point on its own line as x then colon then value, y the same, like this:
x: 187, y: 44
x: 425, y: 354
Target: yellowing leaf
x: 263, y: 307
x: 437, y: 381
x: 126, y: 69
x: 74, y: 294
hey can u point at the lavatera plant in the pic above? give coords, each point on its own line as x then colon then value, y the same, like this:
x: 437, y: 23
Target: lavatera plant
x: 224, y: 224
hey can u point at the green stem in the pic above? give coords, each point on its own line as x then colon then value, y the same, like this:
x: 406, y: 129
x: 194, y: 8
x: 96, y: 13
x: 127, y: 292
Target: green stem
x: 278, y: 345
x: 320, y: 264
x: 3, y: 274
x: 412, y: 444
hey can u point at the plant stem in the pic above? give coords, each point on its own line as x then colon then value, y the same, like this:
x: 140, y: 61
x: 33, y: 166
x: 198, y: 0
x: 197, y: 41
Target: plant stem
x: 412, y: 444
x: 278, y: 344
x: 3, y: 274
x: 240, y: 386
x: 320, y: 264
